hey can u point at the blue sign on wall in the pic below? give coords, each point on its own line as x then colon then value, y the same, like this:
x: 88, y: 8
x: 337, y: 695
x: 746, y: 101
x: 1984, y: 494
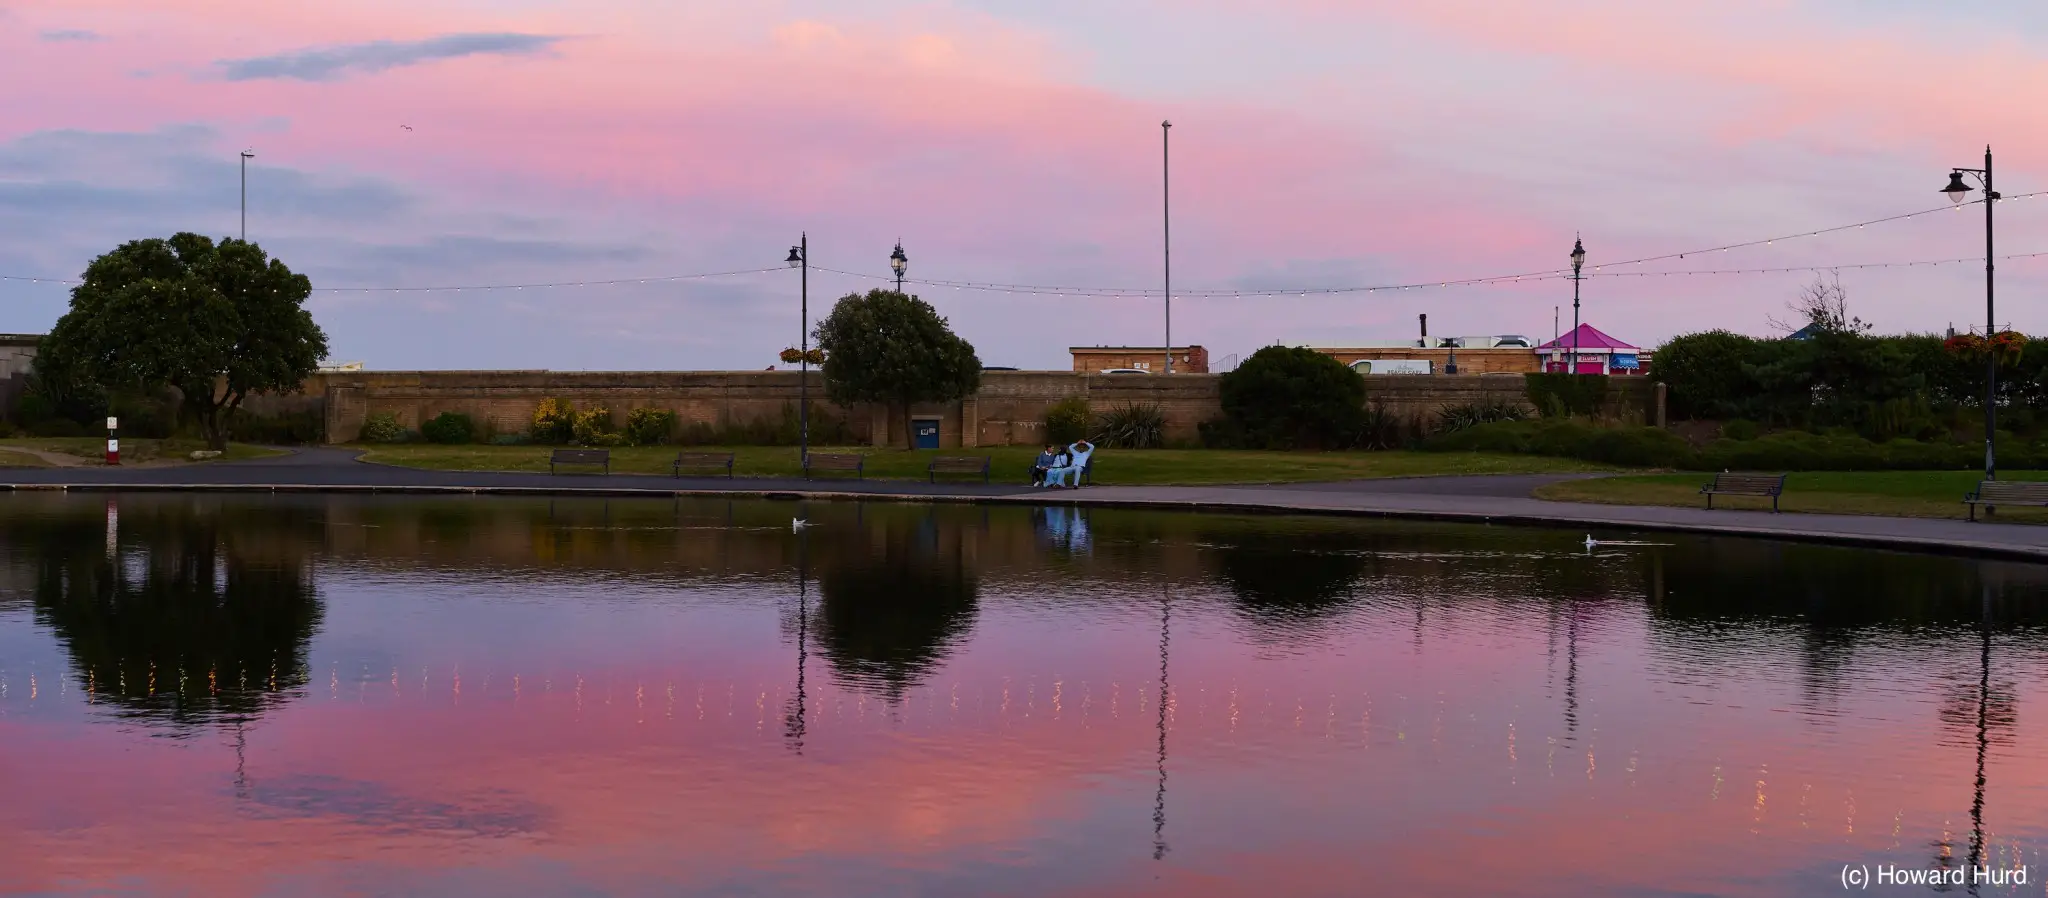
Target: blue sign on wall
x: 927, y: 433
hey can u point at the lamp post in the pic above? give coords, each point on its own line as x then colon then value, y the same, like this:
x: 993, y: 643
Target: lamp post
x: 898, y: 262
x: 1166, y: 230
x: 1578, y: 265
x: 246, y: 156
x: 1957, y: 192
x: 800, y: 258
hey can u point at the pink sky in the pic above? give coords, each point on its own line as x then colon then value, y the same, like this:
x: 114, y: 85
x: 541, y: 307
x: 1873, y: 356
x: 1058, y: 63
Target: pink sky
x: 1316, y: 144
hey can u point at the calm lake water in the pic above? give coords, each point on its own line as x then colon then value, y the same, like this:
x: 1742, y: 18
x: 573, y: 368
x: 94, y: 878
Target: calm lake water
x: 310, y: 696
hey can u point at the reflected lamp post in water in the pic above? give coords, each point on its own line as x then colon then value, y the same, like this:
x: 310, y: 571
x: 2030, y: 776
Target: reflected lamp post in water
x: 1983, y: 732
x: 1165, y: 691
x: 796, y: 722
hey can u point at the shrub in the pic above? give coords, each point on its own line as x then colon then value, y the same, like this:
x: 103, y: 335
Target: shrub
x: 1459, y: 417
x: 1379, y: 428
x: 1135, y: 426
x: 449, y: 428
x: 1293, y: 398
x: 1739, y: 429
x: 382, y: 427
x: 1067, y: 421
x: 1706, y: 374
x: 7, y: 430
x: 554, y: 421
x: 592, y: 427
x: 650, y: 426
x: 34, y: 408
x: 1561, y: 395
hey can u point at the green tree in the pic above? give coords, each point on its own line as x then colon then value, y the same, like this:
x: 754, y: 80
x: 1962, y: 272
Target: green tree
x: 1293, y: 398
x: 218, y: 322
x: 894, y: 349
x: 1705, y: 375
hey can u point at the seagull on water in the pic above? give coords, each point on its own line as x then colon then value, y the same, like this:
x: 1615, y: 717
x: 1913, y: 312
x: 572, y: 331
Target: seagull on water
x: 798, y: 524
x: 1591, y: 542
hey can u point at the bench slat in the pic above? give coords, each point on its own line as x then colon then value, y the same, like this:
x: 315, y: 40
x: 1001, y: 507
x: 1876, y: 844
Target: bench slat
x: 580, y: 457
x: 703, y: 460
x: 1732, y: 484
x: 958, y: 464
x: 2013, y: 491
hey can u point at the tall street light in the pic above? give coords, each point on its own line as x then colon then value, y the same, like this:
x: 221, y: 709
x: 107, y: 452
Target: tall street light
x: 898, y: 262
x: 1957, y: 192
x: 246, y: 156
x: 800, y: 258
x: 1166, y: 216
x: 1578, y: 265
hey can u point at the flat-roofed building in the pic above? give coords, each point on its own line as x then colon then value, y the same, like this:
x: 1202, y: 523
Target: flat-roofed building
x: 1186, y: 359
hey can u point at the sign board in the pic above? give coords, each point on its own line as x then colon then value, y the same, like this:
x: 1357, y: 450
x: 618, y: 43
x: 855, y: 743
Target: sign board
x: 112, y: 423
x: 1626, y: 360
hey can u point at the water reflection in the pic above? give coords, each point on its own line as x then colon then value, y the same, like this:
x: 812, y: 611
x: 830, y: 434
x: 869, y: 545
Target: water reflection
x: 529, y: 697
x: 191, y: 615
x: 894, y: 602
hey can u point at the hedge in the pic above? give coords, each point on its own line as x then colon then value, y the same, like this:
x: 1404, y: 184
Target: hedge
x: 1651, y: 447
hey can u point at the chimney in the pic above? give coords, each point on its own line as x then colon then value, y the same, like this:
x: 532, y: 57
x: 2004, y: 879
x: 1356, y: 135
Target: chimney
x: 1424, y: 318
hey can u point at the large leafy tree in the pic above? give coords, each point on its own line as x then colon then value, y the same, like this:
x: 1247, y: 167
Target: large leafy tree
x: 894, y: 349
x: 1293, y: 398
x: 218, y: 322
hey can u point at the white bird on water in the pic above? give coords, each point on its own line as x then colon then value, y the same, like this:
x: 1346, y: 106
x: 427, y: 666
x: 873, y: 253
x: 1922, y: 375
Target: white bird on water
x: 1591, y: 542
x: 798, y: 524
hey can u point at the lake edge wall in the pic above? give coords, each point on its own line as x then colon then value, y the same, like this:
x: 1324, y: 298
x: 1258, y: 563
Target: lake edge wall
x: 1009, y: 409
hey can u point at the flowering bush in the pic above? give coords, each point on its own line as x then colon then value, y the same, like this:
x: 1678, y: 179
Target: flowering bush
x: 2005, y: 346
x: 793, y: 355
x: 554, y: 421
x: 593, y: 427
x: 650, y: 426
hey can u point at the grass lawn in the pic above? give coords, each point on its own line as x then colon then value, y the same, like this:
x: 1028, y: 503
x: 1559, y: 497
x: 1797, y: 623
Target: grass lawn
x: 131, y: 450
x: 1919, y: 494
x: 1013, y: 463
x: 12, y: 459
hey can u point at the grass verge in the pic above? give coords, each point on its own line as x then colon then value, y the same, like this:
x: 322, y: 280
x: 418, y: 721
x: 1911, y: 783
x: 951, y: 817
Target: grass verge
x: 1915, y: 494
x: 134, y: 450
x: 1012, y: 464
x: 12, y: 459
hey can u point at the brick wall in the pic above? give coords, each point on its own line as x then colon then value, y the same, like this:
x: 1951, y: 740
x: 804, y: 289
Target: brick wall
x: 1092, y: 359
x: 1009, y: 409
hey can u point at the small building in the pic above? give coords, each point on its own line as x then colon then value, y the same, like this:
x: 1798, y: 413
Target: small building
x: 17, y: 359
x: 1597, y: 353
x: 1186, y: 359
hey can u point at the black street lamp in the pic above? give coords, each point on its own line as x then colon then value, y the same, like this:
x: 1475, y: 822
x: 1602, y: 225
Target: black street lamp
x: 800, y: 258
x: 1957, y: 192
x: 1578, y: 265
x: 898, y: 262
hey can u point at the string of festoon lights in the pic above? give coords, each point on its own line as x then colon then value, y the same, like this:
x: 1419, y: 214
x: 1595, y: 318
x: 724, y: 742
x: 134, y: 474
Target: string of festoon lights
x: 1598, y: 270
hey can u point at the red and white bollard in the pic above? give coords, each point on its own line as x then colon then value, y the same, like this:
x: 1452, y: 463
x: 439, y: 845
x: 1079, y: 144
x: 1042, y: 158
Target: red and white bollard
x: 113, y: 442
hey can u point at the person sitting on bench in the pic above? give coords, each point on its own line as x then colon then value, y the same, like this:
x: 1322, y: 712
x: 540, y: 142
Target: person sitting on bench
x: 1047, y: 460
x: 1075, y: 464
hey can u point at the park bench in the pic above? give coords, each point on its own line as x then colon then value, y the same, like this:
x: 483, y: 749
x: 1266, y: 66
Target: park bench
x: 1993, y: 493
x: 829, y: 462
x: 580, y: 457
x: 704, y: 461
x: 958, y: 464
x: 1760, y: 485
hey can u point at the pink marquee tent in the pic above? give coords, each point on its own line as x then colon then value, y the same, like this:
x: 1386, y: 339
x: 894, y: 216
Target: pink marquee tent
x: 1598, y: 353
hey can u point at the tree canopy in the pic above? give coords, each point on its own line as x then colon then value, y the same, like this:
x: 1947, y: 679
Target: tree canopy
x: 895, y: 349
x: 218, y: 322
x: 1293, y: 398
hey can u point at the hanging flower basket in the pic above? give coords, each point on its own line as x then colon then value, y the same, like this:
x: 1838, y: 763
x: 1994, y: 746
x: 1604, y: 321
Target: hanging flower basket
x: 793, y: 355
x: 2005, y: 346
x: 1965, y: 345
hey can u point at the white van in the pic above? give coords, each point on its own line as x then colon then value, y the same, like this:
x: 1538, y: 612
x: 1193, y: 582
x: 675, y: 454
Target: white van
x: 1393, y: 366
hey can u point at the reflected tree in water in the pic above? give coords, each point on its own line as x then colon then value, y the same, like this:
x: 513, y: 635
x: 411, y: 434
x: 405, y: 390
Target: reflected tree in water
x: 1290, y: 580
x: 893, y: 603
x: 201, y: 616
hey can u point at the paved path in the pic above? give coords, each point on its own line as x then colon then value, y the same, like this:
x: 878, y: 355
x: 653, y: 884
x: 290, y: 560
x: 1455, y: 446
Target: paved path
x: 1502, y: 499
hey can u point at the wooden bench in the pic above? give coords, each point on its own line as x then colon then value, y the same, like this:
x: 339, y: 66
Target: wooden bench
x: 1993, y: 493
x: 705, y: 461
x: 580, y: 457
x: 829, y: 462
x: 1759, y: 485
x: 958, y: 464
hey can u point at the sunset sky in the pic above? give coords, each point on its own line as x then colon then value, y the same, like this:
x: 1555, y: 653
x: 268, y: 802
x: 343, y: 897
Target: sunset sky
x: 1316, y: 143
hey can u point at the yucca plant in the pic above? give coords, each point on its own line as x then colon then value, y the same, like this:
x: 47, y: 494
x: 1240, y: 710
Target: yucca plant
x: 1458, y: 417
x: 1381, y: 429
x: 1134, y: 426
